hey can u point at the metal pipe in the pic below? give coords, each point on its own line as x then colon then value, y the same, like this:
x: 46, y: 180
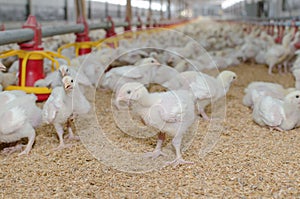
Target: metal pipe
x: 95, y: 26
x: 135, y: 23
x: 121, y: 24
x: 60, y: 30
x: 23, y: 35
x: 15, y: 36
x: 90, y: 10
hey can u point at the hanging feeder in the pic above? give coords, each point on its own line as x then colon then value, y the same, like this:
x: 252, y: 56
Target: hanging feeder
x: 31, y: 61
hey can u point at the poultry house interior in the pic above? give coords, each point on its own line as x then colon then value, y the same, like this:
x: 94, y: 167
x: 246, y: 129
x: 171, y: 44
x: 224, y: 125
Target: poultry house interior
x: 150, y: 99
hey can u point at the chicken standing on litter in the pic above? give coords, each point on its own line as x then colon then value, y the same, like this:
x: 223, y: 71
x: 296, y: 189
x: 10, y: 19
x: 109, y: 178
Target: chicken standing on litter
x: 200, y: 84
x: 169, y: 112
x: 57, y: 110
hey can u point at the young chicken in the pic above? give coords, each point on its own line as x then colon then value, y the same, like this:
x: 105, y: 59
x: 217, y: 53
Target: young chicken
x: 169, y: 112
x: 58, y: 109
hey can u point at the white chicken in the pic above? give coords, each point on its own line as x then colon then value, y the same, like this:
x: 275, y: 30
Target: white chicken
x: 201, y: 84
x: 168, y: 112
x: 6, y: 79
x: 275, y: 113
x: 54, y: 79
x: 19, y: 116
x: 142, y: 73
x: 264, y: 88
x: 277, y: 54
x: 296, y: 73
x: 57, y: 110
x: 80, y: 105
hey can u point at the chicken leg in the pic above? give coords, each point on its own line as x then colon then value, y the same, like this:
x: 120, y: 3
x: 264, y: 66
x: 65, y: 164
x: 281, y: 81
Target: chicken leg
x: 157, y: 151
x: 203, y: 114
x: 177, y: 143
x: 30, y: 132
x: 60, y: 132
x: 71, y: 135
x: 10, y: 150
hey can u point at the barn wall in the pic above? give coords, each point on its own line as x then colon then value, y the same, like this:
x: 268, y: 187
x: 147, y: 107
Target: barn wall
x: 51, y: 10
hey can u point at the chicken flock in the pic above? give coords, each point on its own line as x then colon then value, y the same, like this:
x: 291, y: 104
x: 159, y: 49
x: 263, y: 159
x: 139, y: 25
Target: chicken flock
x: 178, y: 60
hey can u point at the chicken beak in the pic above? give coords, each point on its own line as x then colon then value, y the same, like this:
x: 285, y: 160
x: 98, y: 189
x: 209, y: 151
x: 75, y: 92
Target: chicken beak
x: 118, y: 100
x: 68, y: 86
x: 157, y: 64
x: 170, y: 60
x: 63, y: 73
x: 2, y: 67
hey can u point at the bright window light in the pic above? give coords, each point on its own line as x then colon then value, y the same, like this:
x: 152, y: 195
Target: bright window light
x: 229, y: 3
x: 136, y: 3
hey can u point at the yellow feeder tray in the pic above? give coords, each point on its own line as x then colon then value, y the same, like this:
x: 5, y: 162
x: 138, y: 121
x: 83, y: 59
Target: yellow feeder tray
x: 30, y: 89
x: 77, y: 46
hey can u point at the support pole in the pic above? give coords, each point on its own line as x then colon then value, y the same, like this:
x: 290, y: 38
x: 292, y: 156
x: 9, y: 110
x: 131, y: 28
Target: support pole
x: 66, y: 10
x: 169, y: 9
x: 128, y: 10
x: 81, y: 19
x: 90, y: 10
x: 80, y: 8
x: 28, y: 8
x: 149, y: 17
x: 150, y: 10
x: 118, y: 11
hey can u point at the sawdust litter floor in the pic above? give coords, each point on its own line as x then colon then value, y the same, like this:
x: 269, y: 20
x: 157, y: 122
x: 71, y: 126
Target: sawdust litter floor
x: 244, y: 160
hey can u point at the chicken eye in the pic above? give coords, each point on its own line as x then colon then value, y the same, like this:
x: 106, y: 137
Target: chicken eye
x: 152, y: 61
x: 128, y: 92
x: 297, y: 96
x: 71, y: 81
x: 234, y: 77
